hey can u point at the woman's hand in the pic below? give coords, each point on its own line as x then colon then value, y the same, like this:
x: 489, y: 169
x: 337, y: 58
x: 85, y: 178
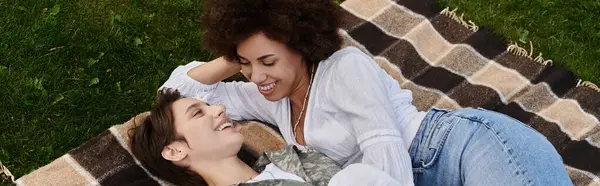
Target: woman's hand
x: 214, y: 71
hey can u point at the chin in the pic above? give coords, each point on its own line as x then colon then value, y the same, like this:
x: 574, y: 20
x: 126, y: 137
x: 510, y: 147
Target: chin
x: 237, y: 139
x: 237, y: 143
x: 274, y: 97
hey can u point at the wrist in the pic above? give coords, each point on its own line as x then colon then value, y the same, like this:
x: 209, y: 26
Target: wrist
x: 230, y: 64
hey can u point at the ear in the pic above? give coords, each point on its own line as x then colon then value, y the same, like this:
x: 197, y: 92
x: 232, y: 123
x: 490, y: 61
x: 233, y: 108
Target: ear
x: 175, y: 152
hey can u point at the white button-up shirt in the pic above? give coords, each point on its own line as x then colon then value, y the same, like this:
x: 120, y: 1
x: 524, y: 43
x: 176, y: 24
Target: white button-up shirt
x: 356, y: 112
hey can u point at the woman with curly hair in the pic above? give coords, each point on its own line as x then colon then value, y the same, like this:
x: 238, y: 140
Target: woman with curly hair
x: 338, y: 101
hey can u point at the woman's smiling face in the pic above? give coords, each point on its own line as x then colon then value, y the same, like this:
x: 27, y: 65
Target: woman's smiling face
x: 271, y: 65
x: 206, y: 129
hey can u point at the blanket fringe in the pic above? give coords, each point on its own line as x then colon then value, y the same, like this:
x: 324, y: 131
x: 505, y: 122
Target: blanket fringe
x: 520, y: 51
x: 5, y: 174
x: 460, y: 19
x: 588, y: 84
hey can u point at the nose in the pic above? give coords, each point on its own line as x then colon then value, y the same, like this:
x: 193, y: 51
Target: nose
x: 218, y: 111
x: 258, y: 75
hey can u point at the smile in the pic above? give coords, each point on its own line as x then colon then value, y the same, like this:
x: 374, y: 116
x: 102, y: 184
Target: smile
x: 224, y: 126
x: 267, y: 89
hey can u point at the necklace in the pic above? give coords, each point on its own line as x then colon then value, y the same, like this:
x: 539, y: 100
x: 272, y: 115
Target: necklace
x: 305, y: 99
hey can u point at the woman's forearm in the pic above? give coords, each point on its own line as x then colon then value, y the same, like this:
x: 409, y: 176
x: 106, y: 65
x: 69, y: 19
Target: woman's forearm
x: 214, y: 71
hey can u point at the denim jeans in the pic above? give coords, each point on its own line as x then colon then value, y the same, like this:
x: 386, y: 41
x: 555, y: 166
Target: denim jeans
x: 479, y: 147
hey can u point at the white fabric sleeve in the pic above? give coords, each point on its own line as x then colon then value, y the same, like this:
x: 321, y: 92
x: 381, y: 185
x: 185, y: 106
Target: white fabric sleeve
x: 359, y: 92
x: 241, y: 99
x: 361, y: 174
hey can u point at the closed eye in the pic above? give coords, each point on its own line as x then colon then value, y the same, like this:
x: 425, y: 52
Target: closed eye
x: 198, y: 113
x: 244, y: 63
x: 270, y: 63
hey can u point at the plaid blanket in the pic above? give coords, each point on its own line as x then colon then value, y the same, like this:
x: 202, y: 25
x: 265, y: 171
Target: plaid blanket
x: 446, y: 61
x: 451, y: 63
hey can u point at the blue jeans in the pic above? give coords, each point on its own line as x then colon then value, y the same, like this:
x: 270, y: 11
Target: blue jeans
x: 479, y: 147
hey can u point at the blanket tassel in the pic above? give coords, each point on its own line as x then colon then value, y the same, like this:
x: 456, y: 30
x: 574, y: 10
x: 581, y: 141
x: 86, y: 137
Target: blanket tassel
x: 520, y: 51
x: 588, y: 84
x: 513, y: 48
x: 460, y: 19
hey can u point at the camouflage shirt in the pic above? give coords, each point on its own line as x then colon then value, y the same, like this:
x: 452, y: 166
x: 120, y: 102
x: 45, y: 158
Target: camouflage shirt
x: 314, y: 167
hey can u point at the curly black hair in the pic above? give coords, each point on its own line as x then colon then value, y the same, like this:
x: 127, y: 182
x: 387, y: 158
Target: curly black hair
x: 309, y: 27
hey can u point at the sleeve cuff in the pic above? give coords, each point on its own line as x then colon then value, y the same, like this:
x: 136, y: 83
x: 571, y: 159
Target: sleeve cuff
x: 186, y: 85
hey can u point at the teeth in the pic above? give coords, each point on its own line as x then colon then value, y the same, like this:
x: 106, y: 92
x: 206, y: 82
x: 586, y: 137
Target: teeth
x: 268, y: 87
x: 224, y: 125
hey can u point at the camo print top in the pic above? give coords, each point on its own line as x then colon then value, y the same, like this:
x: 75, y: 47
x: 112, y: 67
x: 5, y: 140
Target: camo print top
x: 314, y: 167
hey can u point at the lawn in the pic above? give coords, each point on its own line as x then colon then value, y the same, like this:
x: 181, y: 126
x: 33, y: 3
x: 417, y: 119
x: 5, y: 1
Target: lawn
x: 72, y: 68
x: 69, y: 69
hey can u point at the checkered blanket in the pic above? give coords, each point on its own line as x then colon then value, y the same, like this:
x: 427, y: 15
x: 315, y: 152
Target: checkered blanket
x: 451, y: 63
x: 446, y: 61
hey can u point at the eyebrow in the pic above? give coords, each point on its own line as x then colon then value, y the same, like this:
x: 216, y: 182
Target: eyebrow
x: 259, y: 58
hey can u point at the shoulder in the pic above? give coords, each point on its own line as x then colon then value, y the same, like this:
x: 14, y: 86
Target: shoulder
x: 347, y: 61
x: 345, y: 56
x: 345, y: 71
x: 348, y: 50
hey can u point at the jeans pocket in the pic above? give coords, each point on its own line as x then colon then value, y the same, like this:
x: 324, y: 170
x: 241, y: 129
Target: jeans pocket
x: 436, y: 139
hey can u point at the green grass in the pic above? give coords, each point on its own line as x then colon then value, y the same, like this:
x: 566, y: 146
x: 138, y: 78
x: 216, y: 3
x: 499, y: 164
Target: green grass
x: 72, y: 71
x: 566, y: 31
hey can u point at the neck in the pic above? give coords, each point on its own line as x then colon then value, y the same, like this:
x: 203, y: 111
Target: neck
x: 224, y: 172
x: 299, y: 93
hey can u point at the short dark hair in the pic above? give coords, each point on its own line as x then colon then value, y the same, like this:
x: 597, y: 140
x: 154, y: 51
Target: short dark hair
x: 156, y: 132
x: 309, y: 27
